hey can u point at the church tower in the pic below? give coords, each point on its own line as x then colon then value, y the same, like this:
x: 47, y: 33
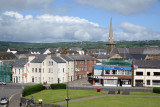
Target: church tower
x: 110, y: 44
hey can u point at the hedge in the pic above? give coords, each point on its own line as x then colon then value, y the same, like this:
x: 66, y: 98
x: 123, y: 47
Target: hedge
x: 58, y: 86
x: 32, y: 89
x: 156, y: 90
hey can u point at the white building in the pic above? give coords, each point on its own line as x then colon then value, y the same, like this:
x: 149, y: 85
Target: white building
x: 69, y: 67
x: 146, y: 73
x: 40, y: 69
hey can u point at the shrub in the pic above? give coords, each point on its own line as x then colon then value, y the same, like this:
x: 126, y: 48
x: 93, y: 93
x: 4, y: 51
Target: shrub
x: 58, y: 86
x: 32, y: 89
x: 156, y: 90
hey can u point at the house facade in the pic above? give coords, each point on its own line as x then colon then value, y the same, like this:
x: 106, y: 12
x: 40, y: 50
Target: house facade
x: 146, y: 73
x: 113, y: 73
x: 42, y: 69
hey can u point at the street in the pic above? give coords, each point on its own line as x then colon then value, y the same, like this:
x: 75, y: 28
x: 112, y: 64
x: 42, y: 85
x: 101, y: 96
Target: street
x: 13, y: 92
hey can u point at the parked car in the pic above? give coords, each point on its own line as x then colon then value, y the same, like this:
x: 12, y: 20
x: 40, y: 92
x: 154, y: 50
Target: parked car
x: 2, y: 83
x: 4, y: 100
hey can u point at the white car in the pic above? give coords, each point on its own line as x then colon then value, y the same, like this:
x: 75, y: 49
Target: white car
x: 4, y: 100
x: 2, y: 83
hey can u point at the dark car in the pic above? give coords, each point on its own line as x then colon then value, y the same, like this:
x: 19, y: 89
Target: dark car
x: 4, y: 100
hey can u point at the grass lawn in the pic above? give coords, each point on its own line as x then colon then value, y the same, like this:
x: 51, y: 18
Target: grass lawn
x: 52, y: 96
x: 119, y: 101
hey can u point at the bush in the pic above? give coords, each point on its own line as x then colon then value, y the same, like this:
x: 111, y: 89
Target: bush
x: 32, y: 89
x: 58, y: 86
x: 156, y: 90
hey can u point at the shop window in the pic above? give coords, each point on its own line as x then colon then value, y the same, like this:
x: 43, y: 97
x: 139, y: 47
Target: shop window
x: 156, y: 73
x: 148, y: 82
x: 139, y: 73
x: 107, y: 72
x: 148, y: 73
x: 114, y: 72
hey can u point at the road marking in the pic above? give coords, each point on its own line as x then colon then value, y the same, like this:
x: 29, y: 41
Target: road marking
x: 12, y: 96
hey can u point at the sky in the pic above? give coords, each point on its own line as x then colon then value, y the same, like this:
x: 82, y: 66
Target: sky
x: 49, y: 21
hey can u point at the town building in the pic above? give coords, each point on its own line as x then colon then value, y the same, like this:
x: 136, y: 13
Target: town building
x: 83, y: 65
x: 113, y: 73
x: 146, y: 73
x: 42, y: 69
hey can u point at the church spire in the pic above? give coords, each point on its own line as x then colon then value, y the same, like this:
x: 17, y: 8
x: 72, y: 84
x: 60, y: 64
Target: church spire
x: 110, y: 33
x: 110, y: 44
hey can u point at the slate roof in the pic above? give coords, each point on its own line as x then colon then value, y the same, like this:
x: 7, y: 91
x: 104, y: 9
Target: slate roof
x: 147, y: 63
x: 7, y: 56
x: 41, y: 51
x: 75, y: 49
x: 138, y: 50
x: 67, y: 58
x: 39, y: 58
x: 20, y: 62
x: 133, y: 56
x: 22, y: 52
x: 102, y: 56
x: 151, y: 50
x: 123, y: 50
x: 58, y: 60
x: 81, y: 57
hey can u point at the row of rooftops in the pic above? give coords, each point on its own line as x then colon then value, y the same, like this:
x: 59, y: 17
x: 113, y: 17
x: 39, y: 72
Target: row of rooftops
x: 41, y: 58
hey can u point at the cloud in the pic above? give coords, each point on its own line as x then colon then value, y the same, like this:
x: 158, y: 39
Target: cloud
x: 126, y: 7
x: 19, y: 5
x: 48, y: 28
x: 133, y: 32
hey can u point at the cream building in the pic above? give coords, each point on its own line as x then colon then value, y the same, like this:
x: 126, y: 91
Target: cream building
x: 146, y: 73
x: 42, y: 69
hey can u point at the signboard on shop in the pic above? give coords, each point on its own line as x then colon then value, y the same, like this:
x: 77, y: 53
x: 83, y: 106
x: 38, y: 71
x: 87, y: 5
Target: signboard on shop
x: 118, y: 68
x: 102, y: 77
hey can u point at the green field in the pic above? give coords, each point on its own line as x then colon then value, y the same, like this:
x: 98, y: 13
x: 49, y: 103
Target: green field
x: 52, y: 96
x: 119, y: 101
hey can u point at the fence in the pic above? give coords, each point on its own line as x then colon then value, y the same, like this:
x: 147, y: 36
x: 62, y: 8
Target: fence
x: 131, y: 89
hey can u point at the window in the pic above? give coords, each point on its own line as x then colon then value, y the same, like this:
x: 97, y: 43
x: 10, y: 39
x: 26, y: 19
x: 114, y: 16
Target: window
x: 97, y: 71
x: 39, y: 69
x: 32, y: 70
x: 63, y: 70
x: 35, y: 69
x: 43, y: 63
x: 107, y: 72
x: 15, y: 71
x: 148, y: 82
x: 43, y: 70
x: 156, y: 73
x: 148, y: 73
x: 156, y: 82
x: 19, y: 71
x: 139, y: 73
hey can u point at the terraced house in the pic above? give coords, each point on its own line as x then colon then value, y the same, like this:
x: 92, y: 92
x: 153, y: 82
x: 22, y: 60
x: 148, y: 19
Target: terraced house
x: 42, y: 69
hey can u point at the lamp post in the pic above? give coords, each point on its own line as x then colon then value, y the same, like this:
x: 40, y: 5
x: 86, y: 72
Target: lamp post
x: 67, y: 98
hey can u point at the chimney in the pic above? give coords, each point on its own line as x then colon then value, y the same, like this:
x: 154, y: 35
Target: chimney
x: 49, y: 55
x: 31, y: 57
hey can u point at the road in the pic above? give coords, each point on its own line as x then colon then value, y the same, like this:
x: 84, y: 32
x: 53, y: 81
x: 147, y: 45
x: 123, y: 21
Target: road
x: 13, y: 92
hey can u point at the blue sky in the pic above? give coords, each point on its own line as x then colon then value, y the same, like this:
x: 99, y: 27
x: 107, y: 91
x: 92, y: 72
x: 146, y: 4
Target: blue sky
x: 78, y: 20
